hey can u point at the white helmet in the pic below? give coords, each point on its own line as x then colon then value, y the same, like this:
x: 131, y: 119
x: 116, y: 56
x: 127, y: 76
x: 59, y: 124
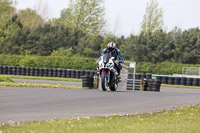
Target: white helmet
x: 111, y: 46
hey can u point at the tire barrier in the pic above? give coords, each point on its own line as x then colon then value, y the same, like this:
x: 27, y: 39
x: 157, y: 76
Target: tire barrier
x: 156, y: 86
x: 87, y: 72
x: 88, y: 82
x: 164, y: 80
x: 171, y: 80
x: 27, y: 71
x: 41, y: 71
x: 189, y: 81
x: 153, y: 85
x: 9, y: 70
x: 5, y: 69
x: 143, y: 75
x: 45, y: 72
x: 68, y: 73
x: 23, y: 71
x: 73, y: 73
x: 82, y: 73
x: 195, y: 82
x: 1, y: 69
x: 77, y: 74
x: 159, y: 78
x: 14, y: 70
x: 18, y: 71
x: 59, y: 73
x: 148, y: 76
x: 183, y: 81
x: 36, y: 72
x: 186, y: 81
x: 149, y: 84
x: 54, y: 72
x: 50, y: 72
x: 138, y: 76
x: 63, y: 73
x: 177, y: 80
x: 32, y: 71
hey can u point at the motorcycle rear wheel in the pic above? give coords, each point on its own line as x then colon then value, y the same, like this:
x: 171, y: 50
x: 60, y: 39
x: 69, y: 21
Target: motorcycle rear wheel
x: 114, y: 87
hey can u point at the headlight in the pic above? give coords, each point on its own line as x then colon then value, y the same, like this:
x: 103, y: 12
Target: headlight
x: 108, y: 65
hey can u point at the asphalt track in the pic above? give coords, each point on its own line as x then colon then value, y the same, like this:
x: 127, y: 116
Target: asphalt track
x: 29, y: 104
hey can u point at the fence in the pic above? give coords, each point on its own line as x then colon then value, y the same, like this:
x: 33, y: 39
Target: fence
x: 191, y: 70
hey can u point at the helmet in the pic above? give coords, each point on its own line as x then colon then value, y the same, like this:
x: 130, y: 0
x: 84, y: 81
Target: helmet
x: 111, y: 46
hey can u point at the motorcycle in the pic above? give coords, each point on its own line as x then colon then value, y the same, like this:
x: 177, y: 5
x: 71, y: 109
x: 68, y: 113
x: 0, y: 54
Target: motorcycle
x: 108, y: 72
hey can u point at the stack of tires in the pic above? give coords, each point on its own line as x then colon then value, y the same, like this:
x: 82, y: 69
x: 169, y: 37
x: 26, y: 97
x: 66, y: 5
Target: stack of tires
x: 153, y: 85
x: 88, y: 82
x: 150, y: 85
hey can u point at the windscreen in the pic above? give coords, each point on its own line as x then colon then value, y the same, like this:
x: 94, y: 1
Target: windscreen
x: 106, y: 58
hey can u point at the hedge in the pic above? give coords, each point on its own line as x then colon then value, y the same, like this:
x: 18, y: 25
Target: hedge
x: 164, y: 68
x: 49, y: 62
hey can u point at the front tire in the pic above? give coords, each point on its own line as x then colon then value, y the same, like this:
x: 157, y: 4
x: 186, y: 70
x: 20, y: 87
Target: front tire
x: 103, y: 82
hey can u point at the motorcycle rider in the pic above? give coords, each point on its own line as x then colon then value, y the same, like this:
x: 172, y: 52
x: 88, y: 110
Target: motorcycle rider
x: 115, y: 52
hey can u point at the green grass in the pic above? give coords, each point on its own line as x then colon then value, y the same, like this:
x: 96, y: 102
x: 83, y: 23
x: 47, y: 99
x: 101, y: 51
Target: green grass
x: 45, y: 78
x: 180, y: 86
x: 38, y: 85
x: 181, y: 120
x: 5, y: 78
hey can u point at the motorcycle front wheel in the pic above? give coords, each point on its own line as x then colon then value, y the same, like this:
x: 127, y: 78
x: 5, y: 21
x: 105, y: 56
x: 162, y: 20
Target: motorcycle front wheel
x: 104, y: 83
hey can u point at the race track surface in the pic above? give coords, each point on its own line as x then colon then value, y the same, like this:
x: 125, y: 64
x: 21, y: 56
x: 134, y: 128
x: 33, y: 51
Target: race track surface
x: 29, y: 104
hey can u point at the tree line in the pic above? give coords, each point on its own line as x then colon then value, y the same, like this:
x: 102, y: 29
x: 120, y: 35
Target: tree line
x: 81, y: 32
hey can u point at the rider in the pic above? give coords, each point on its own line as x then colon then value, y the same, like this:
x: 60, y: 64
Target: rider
x: 111, y: 48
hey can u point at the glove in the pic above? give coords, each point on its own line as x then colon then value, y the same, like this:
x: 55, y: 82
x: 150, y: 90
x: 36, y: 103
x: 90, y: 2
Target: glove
x: 121, y: 61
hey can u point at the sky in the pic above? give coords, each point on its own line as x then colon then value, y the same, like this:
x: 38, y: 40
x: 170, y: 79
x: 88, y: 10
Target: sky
x: 124, y: 17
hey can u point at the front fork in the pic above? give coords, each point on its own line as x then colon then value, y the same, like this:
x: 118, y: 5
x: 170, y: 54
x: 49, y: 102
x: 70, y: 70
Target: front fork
x: 107, y: 73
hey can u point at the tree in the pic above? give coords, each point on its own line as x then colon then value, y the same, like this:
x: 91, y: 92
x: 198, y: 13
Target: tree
x: 187, y: 46
x: 6, y: 13
x: 86, y: 15
x: 153, y: 19
x: 8, y: 24
x: 30, y: 18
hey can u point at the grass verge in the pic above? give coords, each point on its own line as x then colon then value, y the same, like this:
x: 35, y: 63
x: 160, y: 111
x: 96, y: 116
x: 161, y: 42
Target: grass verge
x: 37, y: 85
x: 180, y: 86
x: 5, y: 78
x: 181, y: 120
x: 45, y: 78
